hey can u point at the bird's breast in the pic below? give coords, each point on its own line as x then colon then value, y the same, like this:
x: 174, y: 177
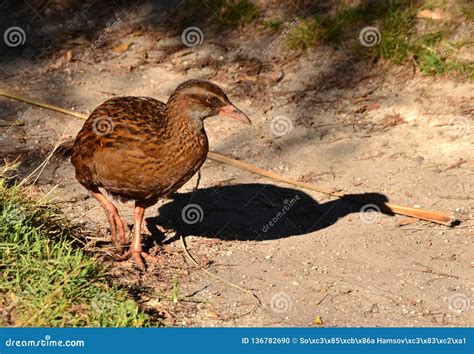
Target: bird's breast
x: 145, y: 153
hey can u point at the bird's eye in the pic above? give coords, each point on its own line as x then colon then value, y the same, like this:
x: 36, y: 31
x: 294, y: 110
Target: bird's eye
x: 213, y: 101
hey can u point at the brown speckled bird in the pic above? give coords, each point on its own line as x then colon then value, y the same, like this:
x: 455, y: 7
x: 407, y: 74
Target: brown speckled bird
x: 138, y: 148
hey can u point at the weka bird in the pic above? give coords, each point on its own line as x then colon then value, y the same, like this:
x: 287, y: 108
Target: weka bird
x: 138, y: 148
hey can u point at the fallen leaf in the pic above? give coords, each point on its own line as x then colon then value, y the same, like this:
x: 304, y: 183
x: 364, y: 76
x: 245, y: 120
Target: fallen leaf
x: 277, y: 76
x: 68, y: 56
x: 212, y: 314
x: 433, y: 15
x: 78, y: 309
x: 62, y: 60
x: 392, y: 120
x: 122, y: 48
x: 81, y: 40
x: 373, y: 106
x: 318, y: 321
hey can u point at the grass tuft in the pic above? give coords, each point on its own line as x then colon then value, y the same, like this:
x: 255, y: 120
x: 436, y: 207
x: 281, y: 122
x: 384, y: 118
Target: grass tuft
x: 307, y: 34
x: 273, y: 25
x: 47, y: 280
x: 232, y: 13
x: 405, y: 39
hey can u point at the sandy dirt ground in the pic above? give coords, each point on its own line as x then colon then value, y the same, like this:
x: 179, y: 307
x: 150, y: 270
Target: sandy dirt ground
x: 318, y: 116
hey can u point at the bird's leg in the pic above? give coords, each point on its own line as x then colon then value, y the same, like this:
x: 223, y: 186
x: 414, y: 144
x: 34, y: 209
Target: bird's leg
x: 136, y: 246
x: 196, y: 187
x: 112, y: 214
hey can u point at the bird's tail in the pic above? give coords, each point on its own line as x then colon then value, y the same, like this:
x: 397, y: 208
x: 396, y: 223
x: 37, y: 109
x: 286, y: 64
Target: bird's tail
x: 64, y: 150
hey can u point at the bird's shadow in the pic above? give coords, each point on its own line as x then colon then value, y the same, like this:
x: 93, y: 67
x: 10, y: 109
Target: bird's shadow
x: 252, y: 212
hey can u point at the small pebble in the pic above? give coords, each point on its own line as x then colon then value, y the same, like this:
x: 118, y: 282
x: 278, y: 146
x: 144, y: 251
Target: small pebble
x: 212, y: 314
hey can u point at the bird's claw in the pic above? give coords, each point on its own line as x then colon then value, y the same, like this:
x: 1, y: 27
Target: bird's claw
x: 138, y: 257
x: 115, y: 223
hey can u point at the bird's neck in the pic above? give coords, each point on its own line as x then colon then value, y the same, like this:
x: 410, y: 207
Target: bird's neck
x: 181, y: 114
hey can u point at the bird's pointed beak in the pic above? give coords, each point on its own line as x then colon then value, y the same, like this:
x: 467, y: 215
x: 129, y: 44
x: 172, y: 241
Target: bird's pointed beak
x: 233, y: 112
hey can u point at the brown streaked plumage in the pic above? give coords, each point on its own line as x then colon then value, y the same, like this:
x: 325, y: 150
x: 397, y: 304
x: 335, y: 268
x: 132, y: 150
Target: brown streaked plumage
x: 142, y: 149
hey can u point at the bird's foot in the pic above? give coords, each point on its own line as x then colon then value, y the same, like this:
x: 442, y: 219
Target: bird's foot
x: 115, y: 222
x: 139, y: 256
x: 111, y: 211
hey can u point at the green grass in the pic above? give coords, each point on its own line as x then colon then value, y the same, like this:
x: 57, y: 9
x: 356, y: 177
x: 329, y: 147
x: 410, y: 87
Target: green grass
x: 396, y: 31
x: 343, y: 25
x: 175, y: 292
x: 232, y: 14
x: 273, y: 25
x: 46, y: 279
x: 307, y: 34
x: 401, y: 41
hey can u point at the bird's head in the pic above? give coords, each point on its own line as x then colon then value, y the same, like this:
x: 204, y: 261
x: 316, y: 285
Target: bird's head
x: 201, y: 99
